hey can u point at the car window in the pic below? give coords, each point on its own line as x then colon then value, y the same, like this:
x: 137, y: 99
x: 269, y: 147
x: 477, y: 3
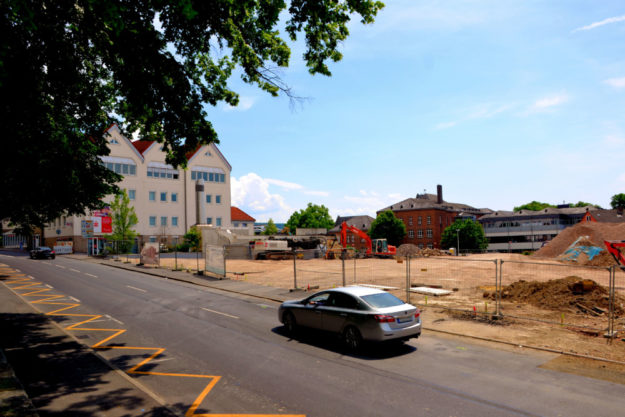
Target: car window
x: 342, y: 301
x: 320, y: 299
x: 382, y: 300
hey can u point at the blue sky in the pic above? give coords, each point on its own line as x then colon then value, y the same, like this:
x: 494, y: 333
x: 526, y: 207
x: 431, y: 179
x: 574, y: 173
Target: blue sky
x: 501, y: 103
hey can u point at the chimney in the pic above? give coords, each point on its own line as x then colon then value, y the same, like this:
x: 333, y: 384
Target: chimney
x: 200, y: 212
x: 439, y: 194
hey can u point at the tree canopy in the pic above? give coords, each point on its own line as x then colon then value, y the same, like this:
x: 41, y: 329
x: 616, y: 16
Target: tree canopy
x: 618, y: 201
x: 271, y: 228
x: 538, y: 206
x: 124, y: 218
x: 471, y: 236
x: 70, y: 68
x: 387, y: 226
x: 312, y: 217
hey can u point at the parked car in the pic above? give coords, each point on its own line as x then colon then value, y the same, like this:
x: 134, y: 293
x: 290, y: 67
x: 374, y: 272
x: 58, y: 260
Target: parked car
x: 355, y: 313
x: 42, y: 252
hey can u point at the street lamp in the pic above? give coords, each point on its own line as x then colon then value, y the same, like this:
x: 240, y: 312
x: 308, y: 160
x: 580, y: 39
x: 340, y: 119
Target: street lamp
x: 457, y: 242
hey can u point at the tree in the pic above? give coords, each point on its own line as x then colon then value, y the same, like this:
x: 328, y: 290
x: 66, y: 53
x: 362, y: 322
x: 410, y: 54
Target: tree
x: 471, y: 236
x: 387, y: 226
x: 271, y: 228
x: 618, y: 201
x: 533, y: 206
x: 193, y: 239
x: 68, y: 69
x: 124, y: 218
x: 313, y: 217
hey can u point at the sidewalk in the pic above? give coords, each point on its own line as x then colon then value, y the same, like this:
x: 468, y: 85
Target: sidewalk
x: 235, y: 286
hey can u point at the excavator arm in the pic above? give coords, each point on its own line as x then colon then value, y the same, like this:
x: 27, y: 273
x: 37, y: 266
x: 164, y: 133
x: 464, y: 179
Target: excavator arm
x: 345, y: 227
x: 613, y: 246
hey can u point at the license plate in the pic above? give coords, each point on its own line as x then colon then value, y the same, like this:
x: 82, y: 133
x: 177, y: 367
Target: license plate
x: 404, y: 319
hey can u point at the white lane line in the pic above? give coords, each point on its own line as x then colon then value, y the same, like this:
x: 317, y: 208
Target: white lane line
x: 91, y: 275
x: 114, y: 319
x: 75, y: 299
x: 48, y: 285
x: 135, y: 288
x: 59, y: 266
x: 74, y: 270
x: 218, y: 312
x: 30, y: 276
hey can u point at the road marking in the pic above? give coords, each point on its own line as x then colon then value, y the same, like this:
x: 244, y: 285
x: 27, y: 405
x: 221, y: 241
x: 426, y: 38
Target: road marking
x: 59, y: 266
x: 91, y: 275
x: 48, y: 285
x: 75, y: 299
x: 114, y: 319
x: 74, y: 270
x: 161, y: 360
x: 218, y: 312
x: 135, y: 288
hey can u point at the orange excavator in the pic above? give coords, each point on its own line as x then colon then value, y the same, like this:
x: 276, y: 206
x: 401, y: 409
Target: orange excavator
x: 613, y: 246
x: 375, y: 247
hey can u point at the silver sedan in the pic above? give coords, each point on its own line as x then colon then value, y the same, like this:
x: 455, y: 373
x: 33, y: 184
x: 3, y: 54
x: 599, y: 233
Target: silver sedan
x: 356, y: 313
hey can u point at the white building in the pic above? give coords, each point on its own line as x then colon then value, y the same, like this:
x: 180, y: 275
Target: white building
x: 164, y: 198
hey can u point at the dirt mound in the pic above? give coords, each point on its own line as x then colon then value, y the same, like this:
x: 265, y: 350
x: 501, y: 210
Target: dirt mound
x: 575, y: 293
x: 594, y: 233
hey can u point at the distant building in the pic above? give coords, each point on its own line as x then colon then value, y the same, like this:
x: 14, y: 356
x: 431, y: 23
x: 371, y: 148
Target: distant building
x: 427, y: 215
x: 360, y: 222
x: 527, y: 230
x: 242, y: 223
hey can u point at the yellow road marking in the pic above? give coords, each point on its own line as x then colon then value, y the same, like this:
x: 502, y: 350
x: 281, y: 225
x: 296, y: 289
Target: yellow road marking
x: 47, y: 299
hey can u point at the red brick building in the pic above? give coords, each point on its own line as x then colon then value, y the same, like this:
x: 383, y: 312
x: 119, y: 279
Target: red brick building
x: 427, y: 215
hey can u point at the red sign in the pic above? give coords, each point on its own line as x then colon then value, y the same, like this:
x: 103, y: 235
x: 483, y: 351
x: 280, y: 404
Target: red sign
x: 107, y: 225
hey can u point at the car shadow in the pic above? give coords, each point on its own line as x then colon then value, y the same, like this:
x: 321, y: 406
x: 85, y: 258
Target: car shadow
x: 332, y: 342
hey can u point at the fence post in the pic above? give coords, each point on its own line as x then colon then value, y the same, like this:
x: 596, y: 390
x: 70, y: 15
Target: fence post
x: 294, y: 269
x: 225, y: 256
x: 611, y: 293
x: 343, y: 264
x: 408, y: 279
x: 355, y: 257
x: 498, y: 286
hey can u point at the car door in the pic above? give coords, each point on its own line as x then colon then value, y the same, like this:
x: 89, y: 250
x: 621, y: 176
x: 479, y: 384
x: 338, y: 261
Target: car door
x: 337, y: 311
x: 310, y: 314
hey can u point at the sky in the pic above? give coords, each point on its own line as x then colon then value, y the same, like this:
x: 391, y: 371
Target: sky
x: 501, y: 103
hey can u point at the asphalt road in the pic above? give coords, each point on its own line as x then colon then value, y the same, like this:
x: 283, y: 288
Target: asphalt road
x: 227, y: 354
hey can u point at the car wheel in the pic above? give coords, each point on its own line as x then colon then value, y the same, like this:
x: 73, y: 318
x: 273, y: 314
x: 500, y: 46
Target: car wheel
x: 352, y: 338
x: 289, y: 322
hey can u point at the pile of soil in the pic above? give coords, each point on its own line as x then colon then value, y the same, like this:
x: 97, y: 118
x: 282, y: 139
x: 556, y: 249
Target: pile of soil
x: 575, y: 293
x: 596, y: 233
x: 408, y: 249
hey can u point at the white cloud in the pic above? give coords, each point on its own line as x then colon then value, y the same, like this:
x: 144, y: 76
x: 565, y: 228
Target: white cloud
x: 601, y: 23
x: 284, y: 184
x: 547, y: 103
x: 317, y: 193
x: 245, y: 103
x: 445, y: 125
x: 251, y: 194
x: 481, y: 111
x: 616, y: 82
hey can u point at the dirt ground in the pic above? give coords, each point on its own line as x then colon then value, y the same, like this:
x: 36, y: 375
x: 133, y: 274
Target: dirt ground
x: 528, y: 320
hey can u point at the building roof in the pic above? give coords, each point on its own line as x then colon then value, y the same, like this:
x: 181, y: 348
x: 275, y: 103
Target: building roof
x: 362, y: 222
x: 608, y: 216
x: 238, y: 215
x: 547, y: 212
x: 142, y: 145
x: 430, y: 201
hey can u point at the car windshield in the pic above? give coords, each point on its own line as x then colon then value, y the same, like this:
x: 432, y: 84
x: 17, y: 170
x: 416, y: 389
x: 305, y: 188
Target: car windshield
x: 382, y: 300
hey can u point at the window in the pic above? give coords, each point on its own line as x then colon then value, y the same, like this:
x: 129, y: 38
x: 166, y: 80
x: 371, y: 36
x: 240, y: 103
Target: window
x: 428, y: 233
x: 218, y: 199
x: 168, y: 173
x: 208, y: 176
x: 153, y: 221
x: 420, y: 234
x: 243, y: 224
x: 163, y: 196
x: 163, y: 220
x: 430, y: 246
x: 410, y: 221
x: 208, y: 198
x: 121, y: 168
x: 152, y: 196
x: 174, y: 221
x: 429, y: 220
x: 218, y: 221
x: 152, y: 239
x: 420, y: 245
x: 419, y: 220
x: 411, y: 234
x: 209, y: 220
x: 174, y: 197
x: 235, y: 224
x: 114, y: 141
x: 131, y: 194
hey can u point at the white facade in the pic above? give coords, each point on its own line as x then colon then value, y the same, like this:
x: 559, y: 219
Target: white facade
x: 164, y: 198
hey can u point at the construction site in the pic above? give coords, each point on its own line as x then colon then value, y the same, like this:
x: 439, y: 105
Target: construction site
x: 569, y: 296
